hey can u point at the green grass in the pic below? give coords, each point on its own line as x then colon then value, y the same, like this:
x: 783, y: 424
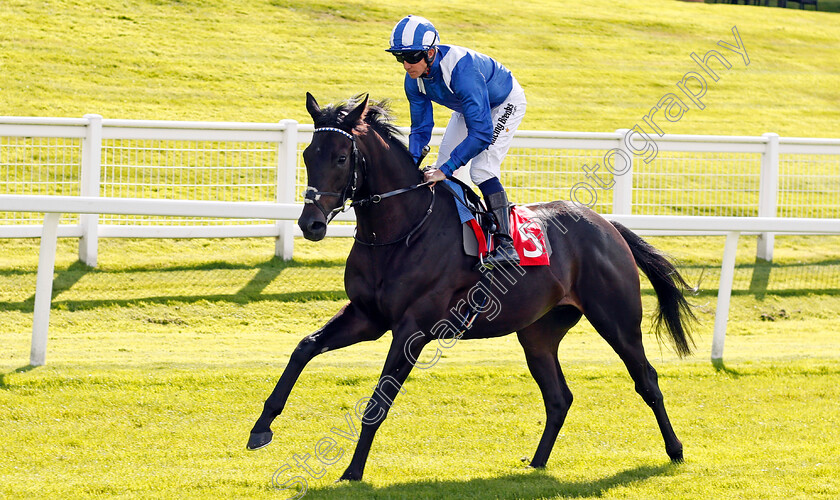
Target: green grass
x: 160, y: 358
x: 764, y: 430
x: 585, y: 66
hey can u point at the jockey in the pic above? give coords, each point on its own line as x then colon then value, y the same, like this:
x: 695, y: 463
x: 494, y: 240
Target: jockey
x: 487, y: 103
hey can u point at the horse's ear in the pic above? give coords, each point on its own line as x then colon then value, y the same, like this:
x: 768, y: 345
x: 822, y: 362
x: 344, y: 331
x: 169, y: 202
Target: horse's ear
x: 358, y: 112
x: 312, y: 106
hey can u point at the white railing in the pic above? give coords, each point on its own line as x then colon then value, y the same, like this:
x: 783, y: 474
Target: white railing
x: 130, y: 178
x: 152, y: 160
x: 763, y: 176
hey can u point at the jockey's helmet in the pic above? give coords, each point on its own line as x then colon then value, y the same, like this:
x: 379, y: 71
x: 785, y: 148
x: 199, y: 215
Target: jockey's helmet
x: 413, y: 33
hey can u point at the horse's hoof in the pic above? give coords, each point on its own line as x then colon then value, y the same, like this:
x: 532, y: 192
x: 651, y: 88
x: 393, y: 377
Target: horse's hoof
x: 348, y: 476
x: 259, y: 440
x: 677, y: 457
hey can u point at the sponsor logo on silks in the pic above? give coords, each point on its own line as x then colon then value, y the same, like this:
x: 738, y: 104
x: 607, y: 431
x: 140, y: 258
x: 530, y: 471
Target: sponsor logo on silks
x: 509, y: 109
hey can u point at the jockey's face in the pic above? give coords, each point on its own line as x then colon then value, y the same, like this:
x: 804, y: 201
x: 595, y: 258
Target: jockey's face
x: 419, y: 68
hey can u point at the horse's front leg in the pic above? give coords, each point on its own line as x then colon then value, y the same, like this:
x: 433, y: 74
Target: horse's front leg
x: 348, y: 327
x: 403, y: 354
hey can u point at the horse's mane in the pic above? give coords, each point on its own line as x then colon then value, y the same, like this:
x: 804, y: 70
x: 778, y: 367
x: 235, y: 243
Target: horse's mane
x: 378, y: 117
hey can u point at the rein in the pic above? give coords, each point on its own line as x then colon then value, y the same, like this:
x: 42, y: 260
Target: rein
x: 407, y: 236
x: 313, y: 196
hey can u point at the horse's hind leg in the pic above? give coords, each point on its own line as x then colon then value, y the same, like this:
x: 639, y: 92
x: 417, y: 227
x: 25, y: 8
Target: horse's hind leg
x: 540, y: 341
x: 617, y: 315
x: 647, y: 385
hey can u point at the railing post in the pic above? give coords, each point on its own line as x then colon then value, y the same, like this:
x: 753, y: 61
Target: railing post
x: 768, y: 192
x: 285, y: 188
x: 43, y: 290
x: 727, y: 277
x: 622, y: 175
x: 90, y: 177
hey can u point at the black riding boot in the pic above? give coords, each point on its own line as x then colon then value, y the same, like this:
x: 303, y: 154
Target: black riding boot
x: 504, y: 254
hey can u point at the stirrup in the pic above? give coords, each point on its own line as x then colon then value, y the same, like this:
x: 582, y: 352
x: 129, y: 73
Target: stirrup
x: 503, y: 255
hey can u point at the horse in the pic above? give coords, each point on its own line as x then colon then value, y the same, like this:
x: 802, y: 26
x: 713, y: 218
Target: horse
x: 406, y: 274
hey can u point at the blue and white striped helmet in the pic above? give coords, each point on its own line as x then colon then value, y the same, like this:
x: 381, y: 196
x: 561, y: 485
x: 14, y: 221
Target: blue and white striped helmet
x: 413, y: 33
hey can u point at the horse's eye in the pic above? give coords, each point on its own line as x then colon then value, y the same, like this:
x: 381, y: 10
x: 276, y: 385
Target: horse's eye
x: 342, y: 159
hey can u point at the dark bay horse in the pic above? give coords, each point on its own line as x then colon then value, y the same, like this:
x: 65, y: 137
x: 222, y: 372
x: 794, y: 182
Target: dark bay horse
x: 406, y: 273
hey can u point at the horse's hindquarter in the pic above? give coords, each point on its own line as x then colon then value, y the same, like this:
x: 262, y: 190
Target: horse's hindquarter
x: 588, y: 252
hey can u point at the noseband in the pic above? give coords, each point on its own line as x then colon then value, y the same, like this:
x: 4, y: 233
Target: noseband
x: 313, y: 196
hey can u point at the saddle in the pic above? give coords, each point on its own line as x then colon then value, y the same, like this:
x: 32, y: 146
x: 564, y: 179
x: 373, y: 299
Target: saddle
x: 479, y: 224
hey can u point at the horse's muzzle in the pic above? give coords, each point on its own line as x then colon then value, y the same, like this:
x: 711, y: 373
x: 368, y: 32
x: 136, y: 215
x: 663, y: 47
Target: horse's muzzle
x: 312, y: 223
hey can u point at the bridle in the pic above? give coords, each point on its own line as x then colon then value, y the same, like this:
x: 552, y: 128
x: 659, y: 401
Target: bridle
x: 358, y: 162
x: 313, y: 196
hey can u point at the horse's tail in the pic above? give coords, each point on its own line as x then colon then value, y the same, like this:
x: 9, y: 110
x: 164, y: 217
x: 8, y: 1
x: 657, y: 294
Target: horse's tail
x: 674, y: 312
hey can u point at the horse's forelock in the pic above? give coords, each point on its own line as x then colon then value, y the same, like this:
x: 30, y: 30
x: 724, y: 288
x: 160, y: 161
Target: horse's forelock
x: 331, y: 115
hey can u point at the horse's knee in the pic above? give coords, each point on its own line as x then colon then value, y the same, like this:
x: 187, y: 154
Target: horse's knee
x: 556, y: 411
x: 306, y: 349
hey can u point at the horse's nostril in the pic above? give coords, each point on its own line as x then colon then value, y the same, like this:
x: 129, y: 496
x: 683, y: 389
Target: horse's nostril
x: 314, y: 230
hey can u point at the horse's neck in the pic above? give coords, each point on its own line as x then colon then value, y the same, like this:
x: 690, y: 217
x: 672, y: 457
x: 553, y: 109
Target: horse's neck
x: 394, y: 216
x: 388, y: 168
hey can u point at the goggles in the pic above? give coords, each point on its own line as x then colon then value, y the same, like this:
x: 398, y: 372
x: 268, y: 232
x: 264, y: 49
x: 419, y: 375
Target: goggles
x: 410, y: 57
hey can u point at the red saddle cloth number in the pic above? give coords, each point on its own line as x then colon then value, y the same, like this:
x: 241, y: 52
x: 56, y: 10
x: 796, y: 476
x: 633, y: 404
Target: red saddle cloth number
x: 528, y: 237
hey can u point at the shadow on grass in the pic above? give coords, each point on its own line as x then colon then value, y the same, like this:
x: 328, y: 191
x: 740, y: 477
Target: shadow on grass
x: 252, y: 291
x: 238, y: 298
x: 265, y: 275
x: 817, y: 277
x: 822, y: 280
x: 64, y: 280
x: 719, y: 366
x: 812, y: 277
x: 23, y: 369
x: 275, y: 262
x: 530, y: 484
x: 760, y: 278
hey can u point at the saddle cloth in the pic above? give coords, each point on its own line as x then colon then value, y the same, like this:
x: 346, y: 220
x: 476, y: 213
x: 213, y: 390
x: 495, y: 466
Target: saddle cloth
x: 526, y: 230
